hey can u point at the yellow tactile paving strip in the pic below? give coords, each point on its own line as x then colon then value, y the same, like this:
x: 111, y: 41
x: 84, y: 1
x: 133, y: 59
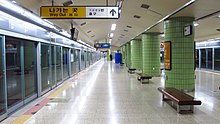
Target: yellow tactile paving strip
x: 21, y: 119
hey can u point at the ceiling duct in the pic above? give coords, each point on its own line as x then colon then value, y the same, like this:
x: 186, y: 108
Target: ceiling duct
x: 67, y: 3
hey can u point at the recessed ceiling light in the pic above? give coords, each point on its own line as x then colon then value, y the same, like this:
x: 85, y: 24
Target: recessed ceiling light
x: 219, y: 16
x: 113, y: 27
x: 195, y: 23
x: 111, y: 35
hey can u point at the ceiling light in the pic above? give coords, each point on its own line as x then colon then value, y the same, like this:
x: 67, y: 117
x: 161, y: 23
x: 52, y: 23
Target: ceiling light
x: 128, y: 26
x: 113, y: 27
x: 162, y: 35
x: 125, y: 30
x: 219, y: 16
x: 89, y: 31
x: 112, y: 34
x: 13, y: 1
x: 195, y: 23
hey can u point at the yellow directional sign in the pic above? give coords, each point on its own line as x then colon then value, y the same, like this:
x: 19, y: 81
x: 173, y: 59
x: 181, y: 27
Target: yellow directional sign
x: 61, y: 12
x: 79, y: 12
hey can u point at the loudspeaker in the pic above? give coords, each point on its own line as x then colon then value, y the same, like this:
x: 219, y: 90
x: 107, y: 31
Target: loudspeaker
x: 67, y: 3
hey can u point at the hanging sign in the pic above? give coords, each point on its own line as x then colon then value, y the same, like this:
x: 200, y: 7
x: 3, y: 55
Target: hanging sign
x: 79, y: 12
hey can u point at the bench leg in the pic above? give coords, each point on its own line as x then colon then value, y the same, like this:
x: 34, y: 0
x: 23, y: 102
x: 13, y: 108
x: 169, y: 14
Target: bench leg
x: 178, y: 108
x: 192, y: 108
x: 163, y: 98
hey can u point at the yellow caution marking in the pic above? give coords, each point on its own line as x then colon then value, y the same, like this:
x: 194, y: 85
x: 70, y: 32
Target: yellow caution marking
x: 60, y: 90
x: 21, y: 119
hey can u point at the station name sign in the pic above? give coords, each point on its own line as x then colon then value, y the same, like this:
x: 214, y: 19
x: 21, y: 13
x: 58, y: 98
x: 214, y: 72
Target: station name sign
x: 79, y: 12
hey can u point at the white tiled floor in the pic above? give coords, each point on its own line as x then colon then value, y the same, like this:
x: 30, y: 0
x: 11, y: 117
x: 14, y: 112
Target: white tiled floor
x: 107, y: 94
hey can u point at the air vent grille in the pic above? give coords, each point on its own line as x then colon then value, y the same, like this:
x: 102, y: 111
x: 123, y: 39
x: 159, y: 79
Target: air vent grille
x: 83, y: 23
x: 137, y: 16
x: 145, y: 6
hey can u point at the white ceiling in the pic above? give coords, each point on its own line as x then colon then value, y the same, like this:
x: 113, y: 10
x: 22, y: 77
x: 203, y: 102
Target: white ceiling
x: 100, y: 28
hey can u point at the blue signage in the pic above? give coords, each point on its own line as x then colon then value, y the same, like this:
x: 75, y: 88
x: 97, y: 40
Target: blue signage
x: 105, y: 45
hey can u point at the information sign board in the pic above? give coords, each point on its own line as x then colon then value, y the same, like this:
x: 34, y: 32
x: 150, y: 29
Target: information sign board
x: 79, y: 12
x: 167, y: 55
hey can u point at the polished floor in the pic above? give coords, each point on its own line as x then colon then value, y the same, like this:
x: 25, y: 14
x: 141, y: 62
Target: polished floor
x: 106, y: 94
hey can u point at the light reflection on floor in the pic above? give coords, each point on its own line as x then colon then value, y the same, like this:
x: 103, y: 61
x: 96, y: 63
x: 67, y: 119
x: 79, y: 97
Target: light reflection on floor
x: 107, y: 94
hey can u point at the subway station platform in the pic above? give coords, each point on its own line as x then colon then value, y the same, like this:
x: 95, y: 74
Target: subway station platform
x: 106, y: 94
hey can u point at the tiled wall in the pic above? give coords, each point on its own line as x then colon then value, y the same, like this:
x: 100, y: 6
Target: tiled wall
x: 181, y: 75
x: 136, y: 55
x: 128, y: 52
x: 151, y: 54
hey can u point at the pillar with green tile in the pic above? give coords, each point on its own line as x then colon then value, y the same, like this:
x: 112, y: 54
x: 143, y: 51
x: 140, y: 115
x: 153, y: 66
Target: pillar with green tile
x: 151, y: 53
x: 128, y: 53
x: 182, y: 74
x: 108, y: 55
x: 136, y: 58
x: 123, y: 53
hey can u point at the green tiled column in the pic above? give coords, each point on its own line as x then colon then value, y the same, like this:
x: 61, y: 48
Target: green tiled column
x: 181, y: 75
x: 123, y: 53
x: 126, y: 55
x: 108, y: 55
x: 151, y: 53
x: 136, y: 61
x: 128, y: 52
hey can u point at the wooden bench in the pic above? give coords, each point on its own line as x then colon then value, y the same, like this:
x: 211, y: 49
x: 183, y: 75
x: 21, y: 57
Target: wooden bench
x: 180, y: 98
x: 143, y: 77
x: 131, y: 70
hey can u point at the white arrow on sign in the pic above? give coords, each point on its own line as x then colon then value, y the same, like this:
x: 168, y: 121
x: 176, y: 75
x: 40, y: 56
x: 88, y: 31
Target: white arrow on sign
x: 102, y: 12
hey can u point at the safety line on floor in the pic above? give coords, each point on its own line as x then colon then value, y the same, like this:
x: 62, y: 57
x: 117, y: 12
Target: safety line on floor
x: 28, y: 114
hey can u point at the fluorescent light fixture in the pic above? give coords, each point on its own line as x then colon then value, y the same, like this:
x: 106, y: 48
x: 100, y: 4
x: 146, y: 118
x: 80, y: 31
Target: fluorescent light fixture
x: 113, y: 27
x: 195, y: 23
x: 112, y: 34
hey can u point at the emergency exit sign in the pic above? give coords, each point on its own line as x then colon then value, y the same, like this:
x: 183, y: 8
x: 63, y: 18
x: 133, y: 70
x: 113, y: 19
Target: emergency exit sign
x: 79, y: 12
